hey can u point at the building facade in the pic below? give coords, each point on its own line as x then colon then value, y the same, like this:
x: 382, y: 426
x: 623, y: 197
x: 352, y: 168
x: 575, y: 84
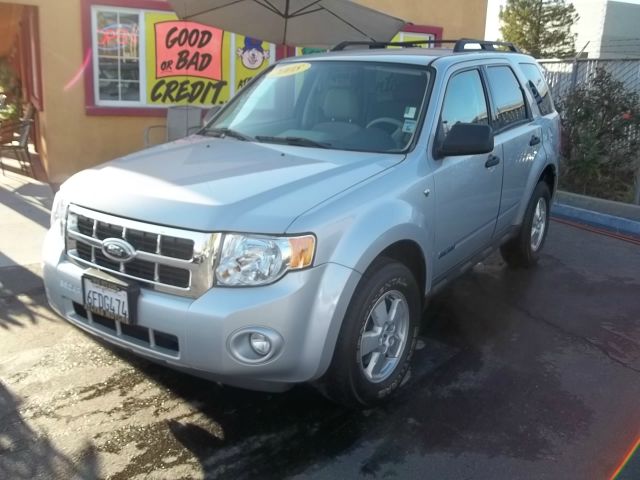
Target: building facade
x: 100, y: 72
x: 608, y: 29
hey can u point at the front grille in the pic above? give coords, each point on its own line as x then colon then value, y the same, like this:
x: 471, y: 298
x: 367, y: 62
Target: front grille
x: 155, y: 339
x: 166, y: 259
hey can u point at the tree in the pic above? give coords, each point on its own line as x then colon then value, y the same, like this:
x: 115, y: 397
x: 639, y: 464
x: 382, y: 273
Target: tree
x: 541, y: 28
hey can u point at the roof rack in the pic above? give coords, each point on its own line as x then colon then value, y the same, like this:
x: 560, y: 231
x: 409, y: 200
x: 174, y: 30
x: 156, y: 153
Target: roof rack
x: 458, y: 45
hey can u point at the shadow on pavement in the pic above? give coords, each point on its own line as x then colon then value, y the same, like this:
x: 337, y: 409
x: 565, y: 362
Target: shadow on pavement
x: 21, y: 296
x: 481, y: 384
x: 27, y: 454
x: 30, y: 200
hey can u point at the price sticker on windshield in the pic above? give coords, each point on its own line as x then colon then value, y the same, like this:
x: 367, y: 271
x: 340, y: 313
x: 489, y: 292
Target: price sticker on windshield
x: 288, y: 70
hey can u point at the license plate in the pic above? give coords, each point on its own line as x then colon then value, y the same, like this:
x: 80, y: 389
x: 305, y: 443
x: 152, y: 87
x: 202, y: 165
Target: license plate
x: 110, y: 298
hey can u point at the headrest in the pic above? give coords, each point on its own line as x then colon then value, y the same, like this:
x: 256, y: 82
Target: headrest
x: 340, y: 104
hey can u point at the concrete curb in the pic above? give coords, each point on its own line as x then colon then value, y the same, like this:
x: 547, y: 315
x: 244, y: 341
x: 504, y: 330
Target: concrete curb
x: 601, y: 220
x: 609, y: 207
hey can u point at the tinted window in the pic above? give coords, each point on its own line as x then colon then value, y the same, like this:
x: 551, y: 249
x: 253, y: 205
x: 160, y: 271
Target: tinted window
x: 538, y: 87
x: 464, y: 101
x: 507, y: 95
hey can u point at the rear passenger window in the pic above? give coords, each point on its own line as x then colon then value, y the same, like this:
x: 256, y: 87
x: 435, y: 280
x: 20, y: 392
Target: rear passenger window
x: 464, y: 102
x: 507, y: 95
x: 538, y: 87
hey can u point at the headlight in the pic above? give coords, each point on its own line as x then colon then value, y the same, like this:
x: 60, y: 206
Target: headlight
x: 252, y: 260
x: 59, y: 212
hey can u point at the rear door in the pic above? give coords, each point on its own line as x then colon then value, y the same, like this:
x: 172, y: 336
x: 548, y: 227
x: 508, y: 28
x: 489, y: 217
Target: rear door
x: 467, y: 187
x: 517, y: 134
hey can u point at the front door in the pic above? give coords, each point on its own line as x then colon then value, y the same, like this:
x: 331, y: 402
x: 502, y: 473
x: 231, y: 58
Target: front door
x: 467, y: 188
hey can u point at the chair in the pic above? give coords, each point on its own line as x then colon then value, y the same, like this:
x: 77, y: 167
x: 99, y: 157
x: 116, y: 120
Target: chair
x: 182, y: 121
x: 14, y: 138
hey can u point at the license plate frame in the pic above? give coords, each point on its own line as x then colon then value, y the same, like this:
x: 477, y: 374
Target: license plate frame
x: 115, y: 288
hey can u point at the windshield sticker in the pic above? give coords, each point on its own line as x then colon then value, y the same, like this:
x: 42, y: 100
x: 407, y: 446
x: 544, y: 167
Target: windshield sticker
x: 409, y: 126
x: 410, y: 112
x: 288, y: 70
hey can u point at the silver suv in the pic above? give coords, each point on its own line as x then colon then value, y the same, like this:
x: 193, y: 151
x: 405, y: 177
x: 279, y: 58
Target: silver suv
x: 299, y: 235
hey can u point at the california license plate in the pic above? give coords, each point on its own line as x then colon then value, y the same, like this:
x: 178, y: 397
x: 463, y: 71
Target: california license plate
x: 110, y: 298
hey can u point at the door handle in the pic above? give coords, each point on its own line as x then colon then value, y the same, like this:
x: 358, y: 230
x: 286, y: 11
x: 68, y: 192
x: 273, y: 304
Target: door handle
x: 492, y: 161
x: 535, y: 140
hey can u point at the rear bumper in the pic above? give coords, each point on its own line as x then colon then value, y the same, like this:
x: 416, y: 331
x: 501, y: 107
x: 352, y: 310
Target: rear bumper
x: 305, y: 308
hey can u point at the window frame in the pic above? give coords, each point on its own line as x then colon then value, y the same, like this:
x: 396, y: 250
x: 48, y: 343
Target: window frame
x: 91, y: 107
x: 494, y: 107
x: 487, y: 99
x: 142, y: 66
x: 540, y: 71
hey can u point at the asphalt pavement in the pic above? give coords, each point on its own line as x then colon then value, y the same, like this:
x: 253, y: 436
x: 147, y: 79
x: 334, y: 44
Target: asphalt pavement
x: 519, y: 374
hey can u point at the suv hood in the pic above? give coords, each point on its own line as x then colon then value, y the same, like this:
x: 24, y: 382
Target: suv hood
x: 212, y: 184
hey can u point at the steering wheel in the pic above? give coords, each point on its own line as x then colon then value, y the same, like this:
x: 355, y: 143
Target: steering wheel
x: 389, y: 121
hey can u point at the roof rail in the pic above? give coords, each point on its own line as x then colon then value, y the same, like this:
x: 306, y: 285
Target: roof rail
x: 486, y: 45
x: 458, y: 45
x: 375, y: 45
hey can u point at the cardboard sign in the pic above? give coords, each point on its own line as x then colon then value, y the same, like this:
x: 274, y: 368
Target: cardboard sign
x: 188, y: 49
x: 235, y: 59
x: 251, y: 57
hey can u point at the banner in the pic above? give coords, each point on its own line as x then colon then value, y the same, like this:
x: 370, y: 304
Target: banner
x: 251, y: 57
x: 188, y: 63
x: 184, y: 62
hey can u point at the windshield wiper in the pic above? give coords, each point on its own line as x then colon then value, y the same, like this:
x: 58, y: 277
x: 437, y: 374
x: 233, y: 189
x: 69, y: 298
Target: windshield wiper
x: 227, y: 132
x: 296, y: 141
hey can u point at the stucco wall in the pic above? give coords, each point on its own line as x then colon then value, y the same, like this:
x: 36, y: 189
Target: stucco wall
x: 459, y: 18
x: 73, y: 141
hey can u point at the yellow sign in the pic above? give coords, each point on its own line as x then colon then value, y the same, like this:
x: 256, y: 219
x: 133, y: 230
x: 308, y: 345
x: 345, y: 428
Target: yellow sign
x: 290, y: 69
x: 163, y: 89
x: 252, y: 56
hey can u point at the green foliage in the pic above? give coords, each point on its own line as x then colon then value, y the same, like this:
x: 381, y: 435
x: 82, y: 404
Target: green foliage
x: 602, y: 138
x: 541, y: 28
x: 9, y: 86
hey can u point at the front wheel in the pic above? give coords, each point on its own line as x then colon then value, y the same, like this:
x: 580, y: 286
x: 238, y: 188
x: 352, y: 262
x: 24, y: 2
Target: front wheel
x: 524, y: 249
x: 377, y: 338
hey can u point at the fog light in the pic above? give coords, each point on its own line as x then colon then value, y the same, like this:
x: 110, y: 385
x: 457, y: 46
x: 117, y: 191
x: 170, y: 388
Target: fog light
x: 260, y: 343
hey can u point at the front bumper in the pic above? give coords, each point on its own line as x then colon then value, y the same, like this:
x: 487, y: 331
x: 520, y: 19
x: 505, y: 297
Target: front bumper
x: 305, y: 308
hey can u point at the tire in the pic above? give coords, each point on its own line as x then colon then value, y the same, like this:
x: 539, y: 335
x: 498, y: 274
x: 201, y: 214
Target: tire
x: 523, y: 250
x: 352, y: 380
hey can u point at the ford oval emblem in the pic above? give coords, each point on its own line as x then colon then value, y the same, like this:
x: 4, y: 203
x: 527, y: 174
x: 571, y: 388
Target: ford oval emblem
x: 118, y: 250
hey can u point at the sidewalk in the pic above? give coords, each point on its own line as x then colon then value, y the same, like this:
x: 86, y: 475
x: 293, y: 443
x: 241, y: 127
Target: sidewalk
x: 24, y: 219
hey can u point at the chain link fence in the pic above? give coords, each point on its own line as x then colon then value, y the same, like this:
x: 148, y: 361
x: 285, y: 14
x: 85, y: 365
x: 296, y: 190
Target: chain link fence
x: 564, y: 75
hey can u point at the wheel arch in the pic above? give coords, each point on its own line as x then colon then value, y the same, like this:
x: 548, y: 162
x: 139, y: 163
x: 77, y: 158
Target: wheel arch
x: 547, y: 173
x: 410, y: 254
x: 549, y: 176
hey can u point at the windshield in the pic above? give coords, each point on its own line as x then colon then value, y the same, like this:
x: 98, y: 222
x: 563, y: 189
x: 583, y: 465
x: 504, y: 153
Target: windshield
x: 363, y: 106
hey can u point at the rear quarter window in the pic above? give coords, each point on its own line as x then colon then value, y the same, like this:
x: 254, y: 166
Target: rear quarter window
x: 507, y: 95
x: 538, y: 87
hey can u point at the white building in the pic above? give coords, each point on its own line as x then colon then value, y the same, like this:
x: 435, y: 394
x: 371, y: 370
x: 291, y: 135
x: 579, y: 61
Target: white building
x: 606, y: 28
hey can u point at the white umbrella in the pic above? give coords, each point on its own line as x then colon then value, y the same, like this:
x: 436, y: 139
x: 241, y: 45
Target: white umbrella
x: 317, y: 23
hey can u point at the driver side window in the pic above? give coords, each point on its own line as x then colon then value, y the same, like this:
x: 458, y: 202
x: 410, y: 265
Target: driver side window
x: 464, y: 102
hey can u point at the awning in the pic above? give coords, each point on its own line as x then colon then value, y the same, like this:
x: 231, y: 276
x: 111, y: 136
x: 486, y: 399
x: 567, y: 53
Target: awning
x: 310, y: 23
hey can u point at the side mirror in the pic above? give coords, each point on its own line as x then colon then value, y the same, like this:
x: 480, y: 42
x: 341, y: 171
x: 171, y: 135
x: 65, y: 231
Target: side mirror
x: 466, y: 139
x: 212, y: 112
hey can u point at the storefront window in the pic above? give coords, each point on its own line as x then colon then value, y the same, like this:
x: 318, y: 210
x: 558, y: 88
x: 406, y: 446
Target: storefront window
x: 117, y: 56
x: 150, y: 58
